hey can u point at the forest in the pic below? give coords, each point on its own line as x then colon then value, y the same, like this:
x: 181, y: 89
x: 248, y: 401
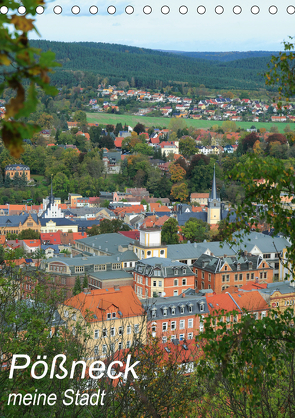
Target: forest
x: 146, y: 68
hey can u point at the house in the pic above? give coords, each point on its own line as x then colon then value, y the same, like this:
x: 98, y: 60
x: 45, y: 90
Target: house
x: 156, y: 276
x: 176, y: 317
x: 220, y: 273
x: 21, y: 169
x: 117, y: 318
x: 31, y: 245
x: 201, y: 198
x: 17, y: 223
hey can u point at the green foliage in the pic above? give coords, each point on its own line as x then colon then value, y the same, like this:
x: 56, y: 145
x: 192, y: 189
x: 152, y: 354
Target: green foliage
x: 247, y: 366
x: 187, y: 147
x: 21, y: 65
x: 77, y: 286
x: 169, y: 233
x: 196, y: 230
x: 28, y: 234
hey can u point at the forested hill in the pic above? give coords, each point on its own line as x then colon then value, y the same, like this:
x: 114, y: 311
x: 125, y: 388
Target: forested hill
x: 226, y: 56
x: 146, y: 68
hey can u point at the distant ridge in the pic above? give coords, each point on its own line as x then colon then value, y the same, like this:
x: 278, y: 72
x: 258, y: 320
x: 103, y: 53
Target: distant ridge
x: 224, y: 56
x: 83, y: 62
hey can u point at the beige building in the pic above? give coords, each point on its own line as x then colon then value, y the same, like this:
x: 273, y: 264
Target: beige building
x: 61, y: 224
x: 113, y: 318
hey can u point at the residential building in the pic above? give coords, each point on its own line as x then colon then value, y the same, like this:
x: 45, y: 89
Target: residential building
x: 161, y: 277
x: 176, y: 317
x: 21, y: 169
x: 220, y: 273
x: 114, y: 317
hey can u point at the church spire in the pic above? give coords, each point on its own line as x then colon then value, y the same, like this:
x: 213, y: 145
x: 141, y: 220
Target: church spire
x: 214, y: 192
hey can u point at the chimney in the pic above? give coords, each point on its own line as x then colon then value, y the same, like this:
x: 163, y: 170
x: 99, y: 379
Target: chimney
x: 16, y: 240
x: 183, y: 295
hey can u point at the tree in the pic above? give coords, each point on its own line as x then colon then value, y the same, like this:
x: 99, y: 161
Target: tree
x: 176, y: 124
x: 77, y: 287
x: 187, y: 147
x: 85, y: 282
x: 196, y: 230
x: 177, y: 172
x: 249, y: 141
x: 229, y: 126
x: 28, y: 234
x: 23, y: 67
x: 277, y: 138
x: 274, y: 129
x: 247, y: 366
x: 139, y: 128
x: 179, y: 191
x: 169, y: 232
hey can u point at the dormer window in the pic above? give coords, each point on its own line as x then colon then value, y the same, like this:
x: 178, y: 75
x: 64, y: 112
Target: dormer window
x: 225, y: 267
x: 172, y: 311
x: 175, y: 272
x: 239, y: 266
x: 154, y: 313
x: 182, y: 310
x: 165, y: 312
x: 202, y: 307
x: 109, y: 315
x: 190, y: 309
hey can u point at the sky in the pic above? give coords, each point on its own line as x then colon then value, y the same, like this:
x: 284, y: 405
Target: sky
x: 174, y: 31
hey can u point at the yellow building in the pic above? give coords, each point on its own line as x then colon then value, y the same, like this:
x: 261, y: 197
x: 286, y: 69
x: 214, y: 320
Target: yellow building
x: 113, y: 318
x: 150, y: 244
x: 58, y: 224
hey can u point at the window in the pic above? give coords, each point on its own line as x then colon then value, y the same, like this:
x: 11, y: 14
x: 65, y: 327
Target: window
x: 155, y: 283
x: 100, y: 267
x: 182, y: 310
x: 241, y: 277
x: 182, y: 324
x: 96, y: 333
x: 113, y: 331
x: 154, y: 313
x: 146, y: 281
x: 109, y: 315
x: 119, y: 346
x: 164, y: 340
x: 79, y: 269
x: 175, y: 272
x: 104, y: 348
x: 164, y: 326
x: 173, y: 325
x: 160, y: 283
x: 136, y: 328
x: 120, y: 330
x: 157, y: 272
x: 247, y: 276
x: 162, y: 252
x: 175, y: 293
x: 164, y: 312
x: 225, y: 268
x: 203, y: 275
x: 128, y: 329
x: 227, y: 277
x: 181, y: 337
x: 261, y: 275
x: 116, y: 266
x: 104, y: 333
x: 201, y: 307
x: 154, y: 328
x: 128, y: 345
x: 175, y: 282
x: 252, y: 276
x: 149, y: 252
x: 190, y: 309
x: 266, y: 255
x: 236, y: 277
x: 96, y: 350
x: 113, y: 314
x: 265, y: 274
x: 190, y: 336
x: 209, y: 286
x: 183, y: 282
x: 223, y: 277
x: 173, y: 337
x: 209, y: 277
x: 172, y: 311
x: 190, y: 323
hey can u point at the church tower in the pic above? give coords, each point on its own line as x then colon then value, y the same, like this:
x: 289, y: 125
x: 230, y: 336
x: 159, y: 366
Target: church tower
x: 214, y: 205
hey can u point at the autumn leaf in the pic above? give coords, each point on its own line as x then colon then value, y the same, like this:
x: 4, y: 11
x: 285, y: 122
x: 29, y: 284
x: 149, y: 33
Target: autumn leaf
x: 22, y: 23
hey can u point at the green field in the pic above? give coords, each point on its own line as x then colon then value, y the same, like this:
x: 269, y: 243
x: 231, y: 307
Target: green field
x: 107, y: 118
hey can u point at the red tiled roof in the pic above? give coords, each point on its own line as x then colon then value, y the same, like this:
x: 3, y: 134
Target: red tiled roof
x: 101, y: 301
x: 134, y: 235
x: 32, y: 242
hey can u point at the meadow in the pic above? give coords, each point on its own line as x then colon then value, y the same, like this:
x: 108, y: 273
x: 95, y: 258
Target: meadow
x: 131, y: 120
